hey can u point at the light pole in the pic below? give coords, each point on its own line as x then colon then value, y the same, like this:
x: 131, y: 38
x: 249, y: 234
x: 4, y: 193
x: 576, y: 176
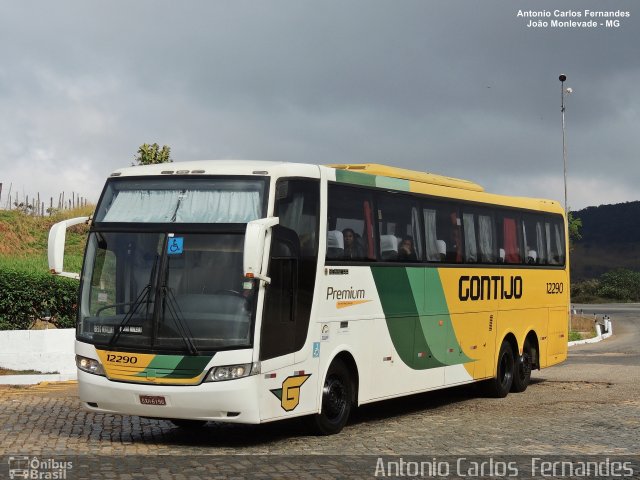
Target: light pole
x: 562, y: 79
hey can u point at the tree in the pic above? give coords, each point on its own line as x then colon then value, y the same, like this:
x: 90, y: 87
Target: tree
x: 152, y: 154
x: 575, y: 224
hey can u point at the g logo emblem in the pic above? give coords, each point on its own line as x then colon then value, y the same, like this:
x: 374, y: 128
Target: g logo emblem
x: 289, y: 394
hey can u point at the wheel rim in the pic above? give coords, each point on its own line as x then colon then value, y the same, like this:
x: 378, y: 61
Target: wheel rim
x: 506, y: 370
x: 525, y: 365
x: 334, y: 398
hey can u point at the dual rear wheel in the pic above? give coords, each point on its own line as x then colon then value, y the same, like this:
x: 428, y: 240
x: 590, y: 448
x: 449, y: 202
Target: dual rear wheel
x: 523, y: 367
x: 512, y: 374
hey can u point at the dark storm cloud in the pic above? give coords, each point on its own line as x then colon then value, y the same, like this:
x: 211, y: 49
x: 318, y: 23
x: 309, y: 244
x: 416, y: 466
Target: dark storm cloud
x: 456, y: 87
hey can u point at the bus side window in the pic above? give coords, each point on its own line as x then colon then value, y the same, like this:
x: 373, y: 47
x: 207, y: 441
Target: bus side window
x: 435, y: 249
x: 487, y: 239
x: 480, y: 244
x: 510, y: 239
x: 470, y: 243
x: 534, y: 240
x: 449, y: 230
x: 399, y: 227
x: 555, y: 241
x: 350, y: 218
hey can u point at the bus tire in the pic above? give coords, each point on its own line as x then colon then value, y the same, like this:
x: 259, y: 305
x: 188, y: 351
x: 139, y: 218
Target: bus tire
x: 522, y: 371
x: 188, y: 424
x: 500, y: 385
x: 337, y: 395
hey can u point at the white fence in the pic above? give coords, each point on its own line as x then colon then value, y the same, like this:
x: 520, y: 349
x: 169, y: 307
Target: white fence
x: 603, y: 330
x: 46, y: 351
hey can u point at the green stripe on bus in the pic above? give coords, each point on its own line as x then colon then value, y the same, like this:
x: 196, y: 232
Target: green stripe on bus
x: 441, y: 338
x: 357, y: 178
x: 394, y: 183
x: 399, y: 304
x: 417, y: 316
x: 176, y: 366
x: 368, y: 180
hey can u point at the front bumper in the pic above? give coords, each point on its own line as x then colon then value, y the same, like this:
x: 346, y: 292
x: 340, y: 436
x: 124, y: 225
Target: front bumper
x: 233, y: 401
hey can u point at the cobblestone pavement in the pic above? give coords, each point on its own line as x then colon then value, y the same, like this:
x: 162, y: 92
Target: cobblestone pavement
x: 588, y: 406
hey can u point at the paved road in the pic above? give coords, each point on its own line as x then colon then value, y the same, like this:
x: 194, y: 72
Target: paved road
x: 588, y: 406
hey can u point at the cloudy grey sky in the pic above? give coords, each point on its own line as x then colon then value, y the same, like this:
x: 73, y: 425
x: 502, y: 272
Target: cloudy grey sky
x: 457, y: 87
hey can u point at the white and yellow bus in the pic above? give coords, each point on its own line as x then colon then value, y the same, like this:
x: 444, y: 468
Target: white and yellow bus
x: 249, y: 292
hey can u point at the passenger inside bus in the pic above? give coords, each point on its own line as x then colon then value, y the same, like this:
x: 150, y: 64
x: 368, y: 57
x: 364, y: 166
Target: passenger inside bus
x: 352, y: 247
x: 407, y: 252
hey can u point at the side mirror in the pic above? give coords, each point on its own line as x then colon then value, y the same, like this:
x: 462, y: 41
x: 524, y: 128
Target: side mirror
x: 254, y: 241
x: 55, y: 252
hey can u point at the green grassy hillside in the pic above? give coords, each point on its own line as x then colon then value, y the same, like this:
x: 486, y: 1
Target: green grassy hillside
x: 23, y: 240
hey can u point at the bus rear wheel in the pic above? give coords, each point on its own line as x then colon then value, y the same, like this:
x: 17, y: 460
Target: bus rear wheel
x: 522, y: 373
x: 337, y: 395
x: 500, y: 385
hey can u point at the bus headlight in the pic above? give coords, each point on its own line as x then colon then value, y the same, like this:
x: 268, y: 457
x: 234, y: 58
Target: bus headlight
x: 230, y: 372
x: 89, y: 365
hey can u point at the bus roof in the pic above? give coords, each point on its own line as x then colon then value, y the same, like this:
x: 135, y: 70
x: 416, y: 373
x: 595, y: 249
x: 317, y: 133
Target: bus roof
x: 220, y: 167
x: 413, y: 175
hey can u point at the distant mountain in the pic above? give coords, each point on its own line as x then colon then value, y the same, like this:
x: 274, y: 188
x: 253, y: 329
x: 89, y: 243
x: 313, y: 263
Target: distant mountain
x: 610, y: 239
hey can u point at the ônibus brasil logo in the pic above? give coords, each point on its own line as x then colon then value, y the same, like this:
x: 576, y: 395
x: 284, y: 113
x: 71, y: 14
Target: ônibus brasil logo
x: 22, y: 466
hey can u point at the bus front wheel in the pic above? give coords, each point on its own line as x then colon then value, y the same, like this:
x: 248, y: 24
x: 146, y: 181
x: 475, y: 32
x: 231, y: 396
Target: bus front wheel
x: 337, y: 394
x: 500, y: 385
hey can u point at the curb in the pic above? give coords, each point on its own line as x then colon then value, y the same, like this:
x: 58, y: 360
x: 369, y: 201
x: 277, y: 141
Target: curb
x: 590, y: 340
x: 599, y: 337
x: 34, y: 379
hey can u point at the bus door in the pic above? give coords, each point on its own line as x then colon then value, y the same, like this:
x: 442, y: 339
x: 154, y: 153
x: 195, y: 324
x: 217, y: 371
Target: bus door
x: 288, y: 298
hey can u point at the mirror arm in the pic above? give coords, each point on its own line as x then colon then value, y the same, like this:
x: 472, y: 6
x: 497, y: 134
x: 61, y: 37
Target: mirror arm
x: 259, y: 276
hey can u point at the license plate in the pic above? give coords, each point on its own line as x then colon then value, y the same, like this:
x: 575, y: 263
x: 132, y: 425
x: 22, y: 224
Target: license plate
x: 152, y: 400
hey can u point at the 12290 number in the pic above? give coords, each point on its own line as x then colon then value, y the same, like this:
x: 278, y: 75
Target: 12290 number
x: 121, y: 359
x: 555, y: 288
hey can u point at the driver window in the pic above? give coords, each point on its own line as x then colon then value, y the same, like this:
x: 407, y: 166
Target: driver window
x: 292, y: 267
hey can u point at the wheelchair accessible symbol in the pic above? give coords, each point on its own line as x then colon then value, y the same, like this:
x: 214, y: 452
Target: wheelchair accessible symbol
x: 175, y: 245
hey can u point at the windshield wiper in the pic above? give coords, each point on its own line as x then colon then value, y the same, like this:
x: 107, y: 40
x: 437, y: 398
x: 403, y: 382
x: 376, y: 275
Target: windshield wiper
x: 174, y: 309
x: 143, y: 296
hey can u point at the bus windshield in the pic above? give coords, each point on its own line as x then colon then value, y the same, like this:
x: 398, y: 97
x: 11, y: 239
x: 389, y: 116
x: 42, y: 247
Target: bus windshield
x: 176, y: 200
x: 165, y: 292
x: 163, y: 266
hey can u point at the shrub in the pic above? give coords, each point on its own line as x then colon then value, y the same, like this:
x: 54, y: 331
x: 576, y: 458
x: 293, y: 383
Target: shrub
x: 620, y: 284
x: 27, y: 296
x: 616, y: 285
x: 586, y: 291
